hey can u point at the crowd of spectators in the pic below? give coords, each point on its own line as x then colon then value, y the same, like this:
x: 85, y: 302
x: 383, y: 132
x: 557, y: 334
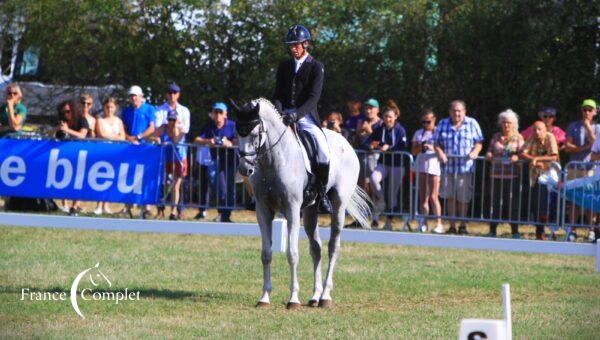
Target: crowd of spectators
x: 445, y: 154
x: 445, y: 162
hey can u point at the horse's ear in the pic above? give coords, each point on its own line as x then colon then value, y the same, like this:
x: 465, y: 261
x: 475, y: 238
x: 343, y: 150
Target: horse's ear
x: 234, y: 105
x: 256, y: 109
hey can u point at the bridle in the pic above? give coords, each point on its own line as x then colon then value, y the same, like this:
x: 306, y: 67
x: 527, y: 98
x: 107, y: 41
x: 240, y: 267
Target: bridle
x: 259, y: 152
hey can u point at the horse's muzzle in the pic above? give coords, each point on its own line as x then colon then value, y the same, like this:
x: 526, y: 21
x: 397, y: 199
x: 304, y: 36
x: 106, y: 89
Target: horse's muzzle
x: 245, y: 168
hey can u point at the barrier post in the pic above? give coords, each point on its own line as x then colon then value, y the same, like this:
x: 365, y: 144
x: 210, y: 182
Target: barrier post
x: 597, y: 256
x: 507, y: 311
x: 279, y: 235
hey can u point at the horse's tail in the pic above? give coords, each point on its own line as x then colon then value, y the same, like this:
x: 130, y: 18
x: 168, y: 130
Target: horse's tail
x: 360, y: 207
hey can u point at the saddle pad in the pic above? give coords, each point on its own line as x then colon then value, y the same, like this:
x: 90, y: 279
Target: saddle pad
x: 304, y: 154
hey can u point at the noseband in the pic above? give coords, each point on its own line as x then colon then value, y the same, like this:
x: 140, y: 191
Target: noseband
x: 259, y: 152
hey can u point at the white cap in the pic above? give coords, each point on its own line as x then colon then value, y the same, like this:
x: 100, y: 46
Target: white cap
x: 136, y: 90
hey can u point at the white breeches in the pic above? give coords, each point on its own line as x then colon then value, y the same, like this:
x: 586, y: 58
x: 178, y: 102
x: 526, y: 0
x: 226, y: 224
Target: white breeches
x: 308, y: 124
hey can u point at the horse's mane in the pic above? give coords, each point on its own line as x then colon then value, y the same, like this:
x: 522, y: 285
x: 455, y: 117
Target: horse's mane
x: 267, y: 109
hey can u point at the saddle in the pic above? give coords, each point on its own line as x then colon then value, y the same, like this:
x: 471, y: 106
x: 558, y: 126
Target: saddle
x: 309, y: 153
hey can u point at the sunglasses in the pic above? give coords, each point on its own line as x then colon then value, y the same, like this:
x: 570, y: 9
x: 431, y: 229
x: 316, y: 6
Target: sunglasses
x: 548, y: 116
x: 12, y: 93
x: 425, y: 122
x: 586, y: 109
x: 65, y: 111
x: 218, y: 111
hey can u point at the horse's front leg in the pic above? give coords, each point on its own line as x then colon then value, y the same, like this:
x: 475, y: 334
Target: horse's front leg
x: 312, y: 231
x: 265, y: 215
x: 293, y: 219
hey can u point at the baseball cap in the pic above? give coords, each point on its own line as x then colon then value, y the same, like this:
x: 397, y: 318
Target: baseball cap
x: 589, y: 102
x: 372, y: 102
x: 172, y: 114
x: 135, y: 90
x: 549, y: 111
x: 220, y: 106
x: 173, y: 88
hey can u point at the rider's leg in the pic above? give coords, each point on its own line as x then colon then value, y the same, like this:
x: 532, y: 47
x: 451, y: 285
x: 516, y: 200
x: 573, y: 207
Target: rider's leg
x: 310, y: 128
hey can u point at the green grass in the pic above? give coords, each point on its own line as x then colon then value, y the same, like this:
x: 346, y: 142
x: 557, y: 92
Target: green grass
x: 193, y: 285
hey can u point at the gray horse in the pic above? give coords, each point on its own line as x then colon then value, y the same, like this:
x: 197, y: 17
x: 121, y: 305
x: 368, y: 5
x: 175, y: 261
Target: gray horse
x: 272, y: 157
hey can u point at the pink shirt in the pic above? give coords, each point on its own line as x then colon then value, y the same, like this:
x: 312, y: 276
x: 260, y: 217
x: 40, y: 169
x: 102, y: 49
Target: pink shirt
x: 559, y: 134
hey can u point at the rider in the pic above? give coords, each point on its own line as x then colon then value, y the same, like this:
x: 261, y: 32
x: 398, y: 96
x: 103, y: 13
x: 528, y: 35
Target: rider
x: 297, y: 91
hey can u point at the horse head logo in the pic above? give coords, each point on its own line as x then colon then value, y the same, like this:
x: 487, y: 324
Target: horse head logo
x: 96, y: 276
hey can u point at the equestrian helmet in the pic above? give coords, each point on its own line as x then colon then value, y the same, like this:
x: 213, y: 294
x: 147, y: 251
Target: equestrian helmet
x: 297, y: 34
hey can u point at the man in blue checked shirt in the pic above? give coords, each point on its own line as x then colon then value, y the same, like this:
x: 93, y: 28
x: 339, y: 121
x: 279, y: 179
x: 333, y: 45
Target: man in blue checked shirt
x: 457, y: 143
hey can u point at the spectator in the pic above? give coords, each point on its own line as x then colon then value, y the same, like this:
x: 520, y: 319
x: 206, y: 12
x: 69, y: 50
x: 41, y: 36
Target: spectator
x: 458, y: 137
x: 428, y: 169
x: 138, y: 121
x: 172, y: 103
x: 505, y: 171
x: 87, y: 102
x: 12, y: 113
x: 70, y: 125
x: 220, y: 135
x: 389, y: 137
x: 539, y: 150
x: 362, y: 142
x: 138, y: 118
x: 108, y: 127
x: 175, y: 156
x: 353, y: 116
x: 581, y: 135
x: 548, y: 116
x: 333, y: 122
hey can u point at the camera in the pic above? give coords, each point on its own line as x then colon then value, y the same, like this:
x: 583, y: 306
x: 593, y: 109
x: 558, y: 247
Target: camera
x: 218, y: 140
x: 330, y: 124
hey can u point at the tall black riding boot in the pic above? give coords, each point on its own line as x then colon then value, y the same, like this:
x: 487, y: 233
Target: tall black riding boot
x: 322, y: 174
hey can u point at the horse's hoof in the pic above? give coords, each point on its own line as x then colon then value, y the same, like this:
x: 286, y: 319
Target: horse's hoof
x: 292, y: 305
x: 313, y: 303
x: 324, y: 303
x: 261, y: 304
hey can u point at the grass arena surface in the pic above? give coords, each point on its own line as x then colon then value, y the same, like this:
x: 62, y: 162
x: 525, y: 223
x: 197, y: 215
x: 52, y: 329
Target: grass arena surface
x: 201, y: 286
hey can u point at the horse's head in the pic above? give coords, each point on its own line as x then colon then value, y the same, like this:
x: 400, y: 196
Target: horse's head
x: 252, y: 135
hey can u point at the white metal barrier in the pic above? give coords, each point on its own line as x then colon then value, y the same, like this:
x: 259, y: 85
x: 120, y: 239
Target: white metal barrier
x: 280, y: 234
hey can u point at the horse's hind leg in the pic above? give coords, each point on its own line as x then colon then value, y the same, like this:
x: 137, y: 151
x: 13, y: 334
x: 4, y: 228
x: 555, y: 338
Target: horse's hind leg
x: 337, y: 222
x: 312, y: 231
x: 265, y: 216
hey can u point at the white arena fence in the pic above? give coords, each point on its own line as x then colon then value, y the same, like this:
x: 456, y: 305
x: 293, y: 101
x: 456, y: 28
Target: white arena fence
x: 280, y: 234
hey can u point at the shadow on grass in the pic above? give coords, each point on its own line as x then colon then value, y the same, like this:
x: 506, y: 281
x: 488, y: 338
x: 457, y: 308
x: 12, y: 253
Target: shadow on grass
x: 145, y: 293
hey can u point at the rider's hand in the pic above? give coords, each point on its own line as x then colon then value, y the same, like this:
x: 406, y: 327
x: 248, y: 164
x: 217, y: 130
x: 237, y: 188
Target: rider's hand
x: 289, y: 118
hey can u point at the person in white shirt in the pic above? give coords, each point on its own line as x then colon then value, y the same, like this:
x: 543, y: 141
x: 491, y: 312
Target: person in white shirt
x: 172, y: 103
x: 428, y: 167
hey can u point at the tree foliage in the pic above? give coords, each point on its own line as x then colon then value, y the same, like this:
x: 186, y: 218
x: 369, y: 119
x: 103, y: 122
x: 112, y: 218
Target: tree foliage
x: 493, y: 54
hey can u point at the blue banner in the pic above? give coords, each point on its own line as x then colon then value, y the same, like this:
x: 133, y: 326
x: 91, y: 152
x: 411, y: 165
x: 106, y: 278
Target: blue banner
x: 92, y: 171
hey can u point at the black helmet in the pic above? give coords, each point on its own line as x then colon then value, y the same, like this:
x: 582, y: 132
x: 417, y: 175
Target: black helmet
x: 297, y: 34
